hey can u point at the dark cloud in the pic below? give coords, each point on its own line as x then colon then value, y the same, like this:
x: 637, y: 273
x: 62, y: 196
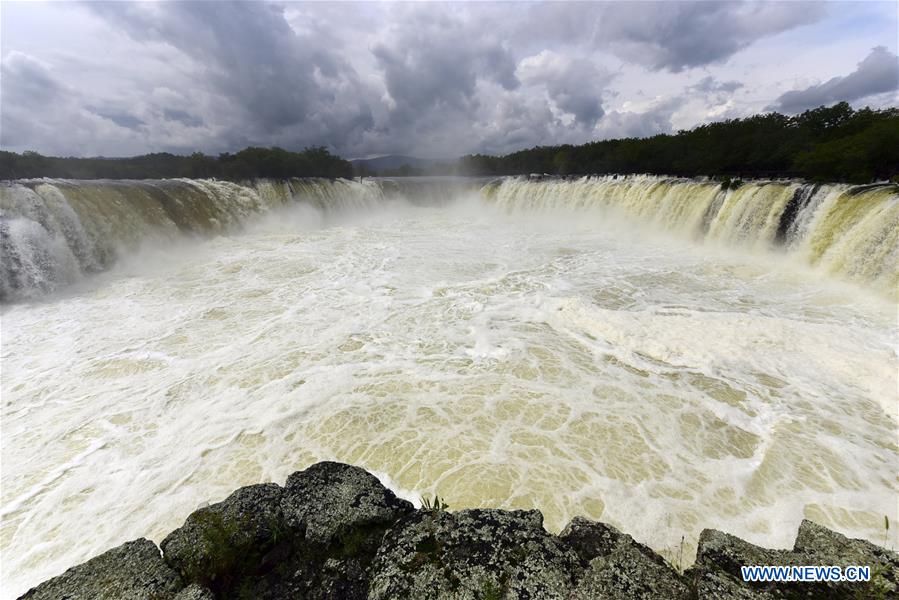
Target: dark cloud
x: 516, y: 123
x: 28, y: 85
x: 122, y: 119
x: 710, y: 85
x: 878, y: 73
x: 372, y: 78
x: 28, y: 80
x: 434, y: 62
x: 181, y: 116
x: 652, y: 121
x: 574, y: 85
x: 672, y: 35
x: 280, y: 84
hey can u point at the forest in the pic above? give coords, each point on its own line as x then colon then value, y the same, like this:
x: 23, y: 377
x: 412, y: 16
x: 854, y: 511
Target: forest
x: 833, y: 143
x: 252, y: 162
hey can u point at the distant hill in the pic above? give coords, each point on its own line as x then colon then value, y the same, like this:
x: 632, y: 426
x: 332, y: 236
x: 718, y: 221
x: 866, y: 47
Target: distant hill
x: 394, y: 162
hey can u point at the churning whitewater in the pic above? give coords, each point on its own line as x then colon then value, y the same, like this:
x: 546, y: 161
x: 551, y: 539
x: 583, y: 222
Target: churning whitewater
x: 661, y: 354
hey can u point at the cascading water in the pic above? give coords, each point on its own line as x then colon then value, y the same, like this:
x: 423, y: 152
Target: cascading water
x: 851, y: 232
x: 521, y: 344
x: 53, y: 232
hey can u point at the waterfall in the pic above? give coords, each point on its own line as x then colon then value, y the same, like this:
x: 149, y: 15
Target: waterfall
x: 54, y: 232
x: 850, y: 232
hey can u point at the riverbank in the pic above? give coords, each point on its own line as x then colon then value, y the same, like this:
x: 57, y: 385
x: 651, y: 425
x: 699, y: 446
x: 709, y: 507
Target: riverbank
x: 333, y: 531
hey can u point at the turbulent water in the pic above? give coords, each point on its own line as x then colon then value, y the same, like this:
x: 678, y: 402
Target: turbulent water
x: 659, y: 354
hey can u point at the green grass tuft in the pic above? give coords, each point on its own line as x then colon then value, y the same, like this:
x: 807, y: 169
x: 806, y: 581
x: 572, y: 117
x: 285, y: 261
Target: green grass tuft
x: 435, y: 505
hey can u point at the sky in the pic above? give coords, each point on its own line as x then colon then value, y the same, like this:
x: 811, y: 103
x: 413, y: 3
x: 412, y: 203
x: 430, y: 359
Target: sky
x: 434, y: 80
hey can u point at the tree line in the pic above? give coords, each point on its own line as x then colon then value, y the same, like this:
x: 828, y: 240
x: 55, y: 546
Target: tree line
x: 250, y: 163
x: 833, y: 143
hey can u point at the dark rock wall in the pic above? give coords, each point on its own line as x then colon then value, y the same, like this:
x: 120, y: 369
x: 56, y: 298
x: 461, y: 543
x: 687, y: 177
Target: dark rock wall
x: 333, y: 531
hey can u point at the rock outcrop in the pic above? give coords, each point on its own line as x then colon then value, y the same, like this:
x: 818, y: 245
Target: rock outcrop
x: 472, y: 554
x: 723, y: 555
x: 333, y: 531
x: 617, y: 566
x: 133, y: 571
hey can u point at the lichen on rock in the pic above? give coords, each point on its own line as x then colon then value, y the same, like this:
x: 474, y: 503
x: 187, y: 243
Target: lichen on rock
x: 333, y: 531
x: 133, y: 571
x: 331, y: 499
x: 462, y: 555
x: 225, y: 542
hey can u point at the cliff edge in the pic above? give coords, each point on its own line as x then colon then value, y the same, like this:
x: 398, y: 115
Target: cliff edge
x: 333, y: 531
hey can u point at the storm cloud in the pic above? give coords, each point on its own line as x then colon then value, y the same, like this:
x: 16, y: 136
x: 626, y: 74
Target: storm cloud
x: 671, y: 36
x: 711, y: 85
x: 575, y: 86
x: 430, y: 79
x: 878, y: 73
x: 277, y: 81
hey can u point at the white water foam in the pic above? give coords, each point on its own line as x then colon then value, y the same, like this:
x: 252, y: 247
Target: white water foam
x: 568, y: 364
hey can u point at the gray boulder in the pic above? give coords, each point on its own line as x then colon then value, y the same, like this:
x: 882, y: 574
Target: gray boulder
x: 334, y: 531
x: 472, y: 554
x: 329, y: 500
x: 618, y: 567
x: 590, y: 539
x: 314, y: 538
x: 826, y: 547
x: 133, y: 571
x: 628, y: 574
x: 225, y: 542
x: 728, y: 553
x: 723, y: 555
x: 715, y: 585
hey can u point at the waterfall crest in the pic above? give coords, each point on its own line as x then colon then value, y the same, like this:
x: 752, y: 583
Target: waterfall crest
x: 54, y: 232
x: 848, y: 231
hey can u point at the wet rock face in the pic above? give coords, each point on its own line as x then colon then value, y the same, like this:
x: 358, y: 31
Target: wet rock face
x: 133, y: 571
x: 333, y: 531
x: 472, y: 554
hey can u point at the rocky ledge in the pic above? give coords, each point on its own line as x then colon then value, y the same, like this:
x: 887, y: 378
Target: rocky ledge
x: 333, y: 531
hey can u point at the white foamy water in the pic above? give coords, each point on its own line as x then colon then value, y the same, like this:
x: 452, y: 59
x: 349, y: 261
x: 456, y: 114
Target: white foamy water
x: 509, y: 359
